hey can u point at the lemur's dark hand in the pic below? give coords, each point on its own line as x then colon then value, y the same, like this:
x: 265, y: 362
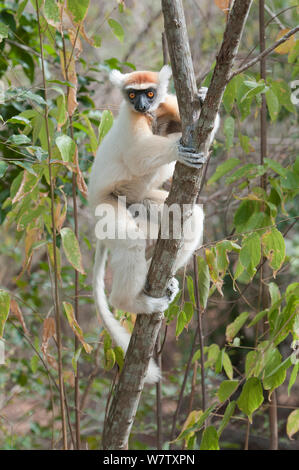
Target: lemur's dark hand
x: 189, y: 157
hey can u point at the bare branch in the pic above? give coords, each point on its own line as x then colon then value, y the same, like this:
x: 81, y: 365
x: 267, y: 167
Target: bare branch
x: 265, y: 52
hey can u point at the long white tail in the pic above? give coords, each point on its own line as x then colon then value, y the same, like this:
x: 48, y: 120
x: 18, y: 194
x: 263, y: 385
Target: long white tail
x: 120, y: 336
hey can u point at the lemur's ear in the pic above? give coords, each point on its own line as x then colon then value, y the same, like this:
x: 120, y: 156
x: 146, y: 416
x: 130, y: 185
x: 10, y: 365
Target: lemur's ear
x: 165, y: 74
x: 163, y: 77
x: 117, y: 78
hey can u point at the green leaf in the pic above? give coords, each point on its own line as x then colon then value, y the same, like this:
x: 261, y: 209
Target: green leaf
x: 272, y: 104
x: 222, y: 248
x: 4, y: 309
x: 227, y: 416
x: 229, y: 131
x: 203, y: 281
x: 226, y: 389
x: 180, y: 324
x: 274, y: 293
x: 71, y: 248
x: 275, y: 166
x: 245, y: 143
x: 275, y: 371
x: 78, y: 9
x: 256, y: 88
x: 233, y: 328
x: 3, y: 168
x: 293, y: 377
x: 34, y: 363
x: 227, y: 365
x: 67, y: 147
x: 191, y: 289
x: 119, y: 356
x: 251, y: 397
x: 3, y: 31
x: 248, y: 171
x: 293, y: 423
x: 258, y: 317
x: 223, y: 169
x: 229, y: 95
x: 189, y: 311
x: 75, y: 359
x: 21, y: 8
x: 274, y: 248
x: 105, y: 124
x: 209, y: 439
x: 117, y: 29
x: 213, y: 354
x: 109, y: 359
x: 283, y: 93
x: 19, y: 120
x: 51, y: 11
x: 250, y: 254
x: 19, y: 139
x: 219, y: 361
x: 92, y: 136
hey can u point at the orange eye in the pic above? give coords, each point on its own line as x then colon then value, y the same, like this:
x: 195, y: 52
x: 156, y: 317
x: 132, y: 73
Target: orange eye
x: 150, y: 94
x: 131, y: 95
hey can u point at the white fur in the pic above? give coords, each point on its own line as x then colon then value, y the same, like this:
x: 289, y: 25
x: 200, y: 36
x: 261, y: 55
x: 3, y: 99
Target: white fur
x: 131, y: 161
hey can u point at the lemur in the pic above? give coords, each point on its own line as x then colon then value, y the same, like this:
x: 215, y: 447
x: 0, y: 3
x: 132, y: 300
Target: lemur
x: 133, y: 162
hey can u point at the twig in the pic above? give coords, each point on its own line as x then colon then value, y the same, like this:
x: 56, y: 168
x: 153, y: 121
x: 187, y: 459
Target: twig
x: 182, y: 390
x: 200, y: 333
x: 159, y: 413
x: 76, y: 229
x: 263, y: 184
x: 141, y: 35
x: 265, y: 52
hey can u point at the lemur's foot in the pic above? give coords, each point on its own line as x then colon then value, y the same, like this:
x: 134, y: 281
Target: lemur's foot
x: 172, y: 289
x: 189, y: 157
x: 154, y: 304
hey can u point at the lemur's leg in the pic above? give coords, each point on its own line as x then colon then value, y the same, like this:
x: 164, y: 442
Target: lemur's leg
x: 129, y: 267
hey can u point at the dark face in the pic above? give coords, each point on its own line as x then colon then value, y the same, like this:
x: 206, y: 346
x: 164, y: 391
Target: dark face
x: 142, y: 100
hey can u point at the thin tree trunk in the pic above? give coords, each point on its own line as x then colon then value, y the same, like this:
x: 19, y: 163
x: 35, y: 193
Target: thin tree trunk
x: 185, y: 186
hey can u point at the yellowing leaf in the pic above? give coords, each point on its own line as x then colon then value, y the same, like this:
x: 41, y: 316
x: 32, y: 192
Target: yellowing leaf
x: 285, y: 47
x: 69, y: 311
x: 16, y: 311
x: 48, y: 333
x: 71, y: 249
x: 293, y: 423
x: 233, y: 328
x: 27, y: 185
x: 77, y: 9
x: 58, y: 259
x: 274, y: 248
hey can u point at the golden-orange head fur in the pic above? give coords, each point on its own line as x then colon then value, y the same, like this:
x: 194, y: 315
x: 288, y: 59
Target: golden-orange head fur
x: 142, y: 80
